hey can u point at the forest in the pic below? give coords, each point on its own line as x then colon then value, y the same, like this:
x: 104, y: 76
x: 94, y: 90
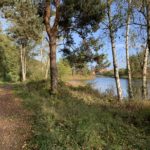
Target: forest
x: 74, y: 75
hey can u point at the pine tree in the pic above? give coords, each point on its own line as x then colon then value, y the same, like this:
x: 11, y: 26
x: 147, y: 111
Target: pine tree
x: 81, y: 16
x: 25, y: 31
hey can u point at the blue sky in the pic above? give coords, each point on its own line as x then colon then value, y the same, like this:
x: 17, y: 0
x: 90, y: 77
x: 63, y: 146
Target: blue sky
x: 120, y: 45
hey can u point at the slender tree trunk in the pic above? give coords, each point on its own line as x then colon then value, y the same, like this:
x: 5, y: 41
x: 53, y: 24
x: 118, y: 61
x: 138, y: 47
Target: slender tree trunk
x: 23, y: 63
x: 47, y: 68
x: 116, y: 72
x: 53, y: 65
x: 147, y: 50
x: 127, y: 53
x: 148, y: 23
x: 145, y: 63
x: 41, y: 51
x: 42, y: 56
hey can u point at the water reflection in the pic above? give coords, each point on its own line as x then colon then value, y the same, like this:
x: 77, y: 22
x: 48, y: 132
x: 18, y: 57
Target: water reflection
x: 104, y: 84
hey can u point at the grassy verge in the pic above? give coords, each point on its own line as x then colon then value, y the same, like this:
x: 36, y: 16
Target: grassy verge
x: 77, y: 80
x: 79, y: 118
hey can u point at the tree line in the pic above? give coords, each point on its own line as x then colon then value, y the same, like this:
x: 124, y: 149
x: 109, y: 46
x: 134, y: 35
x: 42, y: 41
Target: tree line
x: 62, y: 20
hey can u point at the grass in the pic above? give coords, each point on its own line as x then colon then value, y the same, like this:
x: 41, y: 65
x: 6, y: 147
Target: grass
x: 79, y: 118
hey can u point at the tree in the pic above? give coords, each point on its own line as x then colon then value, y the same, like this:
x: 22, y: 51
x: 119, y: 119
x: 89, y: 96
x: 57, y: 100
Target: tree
x: 137, y: 60
x: 6, y: 3
x: 87, y: 52
x: 70, y: 16
x: 64, y: 69
x: 102, y: 63
x: 144, y: 81
x: 127, y: 49
x: 112, y: 29
x: 26, y: 30
x: 148, y: 23
x: 146, y: 54
x: 52, y: 33
x: 9, y: 67
x: 143, y: 9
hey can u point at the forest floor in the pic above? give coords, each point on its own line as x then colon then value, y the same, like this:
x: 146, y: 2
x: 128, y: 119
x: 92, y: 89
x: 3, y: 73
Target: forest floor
x: 14, y: 121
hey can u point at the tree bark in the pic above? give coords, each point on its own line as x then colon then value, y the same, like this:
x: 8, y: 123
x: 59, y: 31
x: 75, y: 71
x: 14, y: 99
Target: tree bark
x: 145, y: 64
x: 52, y: 34
x: 23, y: 63
x: 53, y: 65
x: 127, y: 53
x: 42, y: 67
x: 146, y: 54
x: 47, y: 68
x: 148, y: 23
x: 116, y: 72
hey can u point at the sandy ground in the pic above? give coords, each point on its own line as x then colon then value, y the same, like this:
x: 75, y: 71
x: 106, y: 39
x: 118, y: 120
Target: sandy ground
x: 14, y: 125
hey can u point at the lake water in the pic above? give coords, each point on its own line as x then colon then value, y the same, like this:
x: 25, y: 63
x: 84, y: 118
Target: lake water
x: 108, y: 84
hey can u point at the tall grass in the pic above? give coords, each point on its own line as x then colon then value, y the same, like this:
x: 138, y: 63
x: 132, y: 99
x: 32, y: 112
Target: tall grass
x: 79, y: 118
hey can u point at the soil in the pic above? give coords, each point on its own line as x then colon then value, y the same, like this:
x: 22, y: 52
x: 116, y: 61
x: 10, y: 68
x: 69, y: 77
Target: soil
x: 15, y: 128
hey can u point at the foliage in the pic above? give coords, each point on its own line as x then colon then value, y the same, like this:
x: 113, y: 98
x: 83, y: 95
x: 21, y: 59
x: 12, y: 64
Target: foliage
x: 27, y: 26
x: 9, y: 66
x: 79, y: 118
x: 102, y: 63
x: 123, y: 72
x: 25, y: 29
x: 87, y: 52
x: 81, y: 17
x: 64, y: 69
x: 34, y: 69
x: 137, y: 60
x: 6, y: 3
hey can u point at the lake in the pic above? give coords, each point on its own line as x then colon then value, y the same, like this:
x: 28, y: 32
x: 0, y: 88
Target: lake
x: 107, y: 84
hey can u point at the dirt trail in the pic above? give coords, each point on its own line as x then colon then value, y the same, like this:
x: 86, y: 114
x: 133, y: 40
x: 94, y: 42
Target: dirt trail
x: 14, y: 126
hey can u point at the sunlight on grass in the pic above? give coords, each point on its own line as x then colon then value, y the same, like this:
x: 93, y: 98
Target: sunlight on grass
x: 80, y: 118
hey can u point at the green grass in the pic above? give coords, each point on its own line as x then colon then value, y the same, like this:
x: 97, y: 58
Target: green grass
x: 81, y: 119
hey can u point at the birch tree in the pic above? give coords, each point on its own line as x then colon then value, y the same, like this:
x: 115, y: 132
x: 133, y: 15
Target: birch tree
x: 127, y: 49
x: 148, y: 23
x: 143, y: 9
x: 144, y: 80
x: 146, y: 54
x: 112, y: 38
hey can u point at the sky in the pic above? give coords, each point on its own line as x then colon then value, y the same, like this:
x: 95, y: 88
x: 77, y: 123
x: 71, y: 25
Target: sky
x: 120, y: 45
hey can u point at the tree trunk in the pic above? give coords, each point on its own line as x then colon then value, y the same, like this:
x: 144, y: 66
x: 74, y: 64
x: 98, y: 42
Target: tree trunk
x: 47, y: 68
x: 53, y: 65
x: 145, y: 63
x: 148, y: 23
x: 116, y: 72
x: 52, y: 34
x: 23, y: 63
x: 127, y: 53
x: 42, y: 68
